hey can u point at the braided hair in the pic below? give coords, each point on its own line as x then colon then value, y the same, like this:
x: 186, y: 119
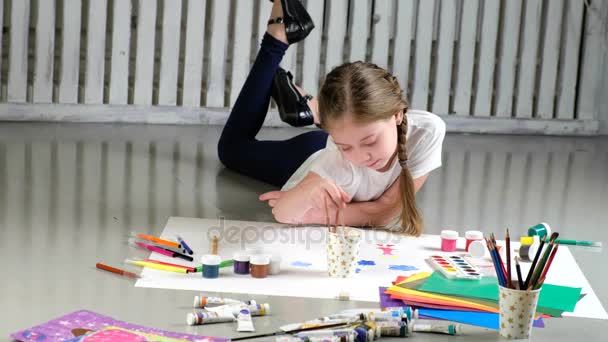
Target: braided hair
x: 371, y: 93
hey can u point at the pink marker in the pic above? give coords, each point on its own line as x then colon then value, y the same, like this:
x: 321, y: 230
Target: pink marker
x: 160, y: 250
x: 155, y: 249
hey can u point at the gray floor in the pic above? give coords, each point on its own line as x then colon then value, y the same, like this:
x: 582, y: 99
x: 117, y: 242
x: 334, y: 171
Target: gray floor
x: 70, y: 195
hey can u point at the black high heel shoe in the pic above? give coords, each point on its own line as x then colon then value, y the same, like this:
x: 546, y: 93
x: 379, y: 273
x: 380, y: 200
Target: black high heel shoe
x: 296, y: 19
x: 293, y: 107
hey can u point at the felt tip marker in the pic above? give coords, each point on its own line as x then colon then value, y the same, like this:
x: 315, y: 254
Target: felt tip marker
x: 184, y: 245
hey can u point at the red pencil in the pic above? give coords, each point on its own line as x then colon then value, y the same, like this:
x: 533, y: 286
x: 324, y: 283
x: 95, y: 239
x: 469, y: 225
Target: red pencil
x: 541, y: 280
x: 116, y: 270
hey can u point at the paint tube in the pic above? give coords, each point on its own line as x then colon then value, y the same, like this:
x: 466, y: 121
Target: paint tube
x: 392, y: 329
x: 234, y: 309
x: 204, y: 301
x: 366, y: 331
x: 207, y: 317
x: 448, y: 329
x: 386, y: 314
x: 244, y: 321
x: 341, y: 335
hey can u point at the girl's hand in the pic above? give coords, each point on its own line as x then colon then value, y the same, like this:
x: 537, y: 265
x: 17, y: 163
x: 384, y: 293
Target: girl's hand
x: 272, y: 197
x: 322, y: 192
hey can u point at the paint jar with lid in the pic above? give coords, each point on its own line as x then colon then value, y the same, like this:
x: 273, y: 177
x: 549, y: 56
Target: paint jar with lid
x: 241, y: 262
x: 275, y: 264
x: 542, y: 230
x: 448, y: 240
x: 211, y: 266
x: 477, y: 249
x: 260, y: 265
x: 472, y: 235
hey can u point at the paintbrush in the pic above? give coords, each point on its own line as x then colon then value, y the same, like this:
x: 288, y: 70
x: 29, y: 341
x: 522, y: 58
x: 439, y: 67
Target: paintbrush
x: 337, y: 325
x: 541, y: 279
x: 327, y: 219
x: 541, y: 265
x: 529, y: 276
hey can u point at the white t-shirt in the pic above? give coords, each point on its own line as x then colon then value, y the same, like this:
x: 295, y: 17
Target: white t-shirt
x: 424, y: 138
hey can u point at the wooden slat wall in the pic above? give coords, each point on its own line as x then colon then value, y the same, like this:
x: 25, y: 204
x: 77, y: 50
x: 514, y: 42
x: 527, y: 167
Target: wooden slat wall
x: 470, y: 58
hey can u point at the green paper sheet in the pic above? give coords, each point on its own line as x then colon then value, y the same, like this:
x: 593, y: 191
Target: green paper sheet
x: 556, y: 297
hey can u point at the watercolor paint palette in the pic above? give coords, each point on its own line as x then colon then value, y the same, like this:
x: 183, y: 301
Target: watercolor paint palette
x: 454, y: 267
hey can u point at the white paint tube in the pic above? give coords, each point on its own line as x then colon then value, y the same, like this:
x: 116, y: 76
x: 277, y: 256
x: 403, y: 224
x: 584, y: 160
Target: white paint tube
x: 208, y: 317
x: 346, y: 335
x: 383, y: 314
x: 206, y: 302
x: 234, y: 309
x: 244, y: 321
x: 392, y: 329
x: 448, y: 329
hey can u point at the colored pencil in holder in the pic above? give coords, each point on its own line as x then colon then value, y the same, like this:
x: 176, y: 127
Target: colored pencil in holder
x: 541, y: 265
x: 541, y: 279
x: 520, y: 282
x: 500, y: 263
x: 494, y: 261
x: 533, y: 265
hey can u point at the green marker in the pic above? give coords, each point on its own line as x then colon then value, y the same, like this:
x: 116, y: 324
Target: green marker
x: 225, y: 263
x: 577, y: 243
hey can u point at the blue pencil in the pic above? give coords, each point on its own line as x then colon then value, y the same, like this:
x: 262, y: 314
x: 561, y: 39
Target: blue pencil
x: 495, y: 262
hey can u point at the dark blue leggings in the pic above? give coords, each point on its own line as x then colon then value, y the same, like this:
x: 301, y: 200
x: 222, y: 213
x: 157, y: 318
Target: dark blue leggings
x: 272, y: 162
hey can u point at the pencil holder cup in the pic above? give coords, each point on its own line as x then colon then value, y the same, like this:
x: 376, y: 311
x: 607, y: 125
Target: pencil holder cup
x: 343, y: 252
x: 517, y: 309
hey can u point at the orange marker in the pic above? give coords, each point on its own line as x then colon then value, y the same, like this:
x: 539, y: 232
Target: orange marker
x: 157, y: 240
x: 116, y: 270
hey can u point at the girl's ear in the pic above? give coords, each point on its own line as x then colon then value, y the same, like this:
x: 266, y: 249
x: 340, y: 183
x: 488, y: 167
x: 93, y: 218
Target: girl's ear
x: 399, y: 117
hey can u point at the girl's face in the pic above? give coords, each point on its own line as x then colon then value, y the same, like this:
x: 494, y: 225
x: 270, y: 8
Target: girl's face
x: 372, y: 145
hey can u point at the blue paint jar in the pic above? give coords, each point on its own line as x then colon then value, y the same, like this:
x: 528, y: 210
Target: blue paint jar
x: 211, y: 266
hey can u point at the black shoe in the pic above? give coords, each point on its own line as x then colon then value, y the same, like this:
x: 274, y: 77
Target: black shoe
x: 296, y: 19
x: 293, y: 107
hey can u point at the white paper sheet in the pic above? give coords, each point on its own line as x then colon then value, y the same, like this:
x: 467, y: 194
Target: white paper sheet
x: 304, y: 266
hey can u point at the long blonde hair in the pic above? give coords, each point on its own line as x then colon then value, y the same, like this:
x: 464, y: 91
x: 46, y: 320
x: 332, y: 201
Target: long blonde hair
x: 370, y: 93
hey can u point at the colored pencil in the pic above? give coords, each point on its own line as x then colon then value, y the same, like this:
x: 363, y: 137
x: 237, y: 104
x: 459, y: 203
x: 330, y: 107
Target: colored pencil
x: 533, y: 265
x: 508, y: 247
x: 541, y: 279
x: 541, y: 265
x: 500, y: 263
x: 494, y: 260
x: 116, y: 270
x: 520, y: 282
x: 157, y: 240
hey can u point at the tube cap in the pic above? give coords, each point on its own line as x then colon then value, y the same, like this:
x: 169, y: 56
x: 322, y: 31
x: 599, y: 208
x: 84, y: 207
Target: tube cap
x: 191, y: 319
